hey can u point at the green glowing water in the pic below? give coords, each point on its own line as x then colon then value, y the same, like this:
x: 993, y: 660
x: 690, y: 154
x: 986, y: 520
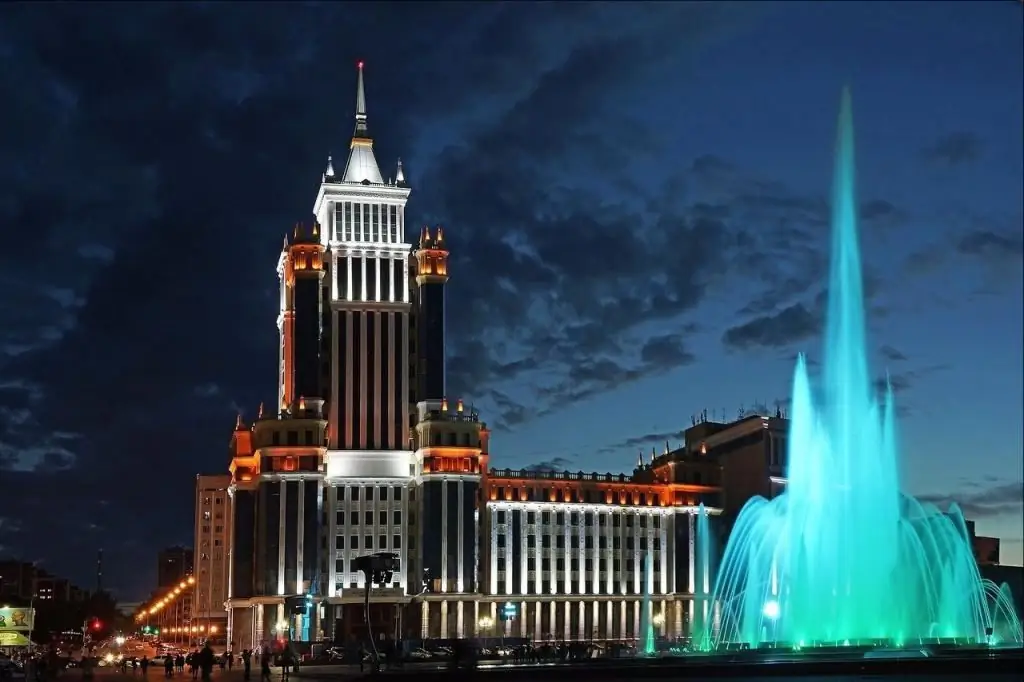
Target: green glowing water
x: 843, y: 557
x: 647, y: 646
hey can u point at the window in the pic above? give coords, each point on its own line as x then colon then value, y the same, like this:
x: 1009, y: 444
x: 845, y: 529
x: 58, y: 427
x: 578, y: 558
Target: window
x: 397, y: 493
x: 382, y: 542
x: 383, y: 515
x: 396, y: 542
x: 368, y: 542
x: 353, y: 494
x: 397, y: 518
x: 339, y: 542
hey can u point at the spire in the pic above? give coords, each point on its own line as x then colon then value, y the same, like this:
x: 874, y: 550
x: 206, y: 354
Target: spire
x: 400, y: 176
x: 362, y: 165
x: 360, y: 105
x: 329, y: 171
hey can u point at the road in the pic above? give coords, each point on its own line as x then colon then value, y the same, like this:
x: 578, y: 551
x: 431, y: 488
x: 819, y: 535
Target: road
x: 342, y: 673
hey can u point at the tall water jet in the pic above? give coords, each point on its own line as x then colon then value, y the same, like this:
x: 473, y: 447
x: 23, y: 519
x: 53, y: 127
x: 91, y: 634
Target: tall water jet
x: 646, y: 645
x: 842, y: 557
x: 701, y: 579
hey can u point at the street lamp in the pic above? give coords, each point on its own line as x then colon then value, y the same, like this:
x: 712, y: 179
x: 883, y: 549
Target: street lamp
x: 119, y: 640
x: 484, y: 625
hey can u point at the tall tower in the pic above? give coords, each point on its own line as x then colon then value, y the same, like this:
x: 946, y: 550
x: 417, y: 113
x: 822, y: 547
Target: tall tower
x: 431, y: 278
x: 363, y: 228
x: 300, y: 270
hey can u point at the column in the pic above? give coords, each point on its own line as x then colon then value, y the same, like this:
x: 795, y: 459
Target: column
x: 444, y: 545
x: 282, y: 529
x: 460, y: 578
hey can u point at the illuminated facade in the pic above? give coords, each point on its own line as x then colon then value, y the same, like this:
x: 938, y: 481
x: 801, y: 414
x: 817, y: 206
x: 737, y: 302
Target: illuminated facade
x: 209, y: 563
x: 364, y: 453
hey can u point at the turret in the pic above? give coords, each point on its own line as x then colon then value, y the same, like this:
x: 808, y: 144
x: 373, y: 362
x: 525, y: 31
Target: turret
x: 431, y: 279
x: 301, y: 270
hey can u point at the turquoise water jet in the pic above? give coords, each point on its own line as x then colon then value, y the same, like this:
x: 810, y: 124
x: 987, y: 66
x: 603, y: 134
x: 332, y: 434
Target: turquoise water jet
x: 842, y: 557
x: 646, y: 645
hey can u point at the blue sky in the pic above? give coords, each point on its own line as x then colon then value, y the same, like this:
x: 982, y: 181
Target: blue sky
x: 635, y: 197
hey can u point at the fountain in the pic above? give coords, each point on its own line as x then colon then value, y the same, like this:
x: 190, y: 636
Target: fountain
x: 702, y: 574
x: 646, y: 645
x: 842, y: 558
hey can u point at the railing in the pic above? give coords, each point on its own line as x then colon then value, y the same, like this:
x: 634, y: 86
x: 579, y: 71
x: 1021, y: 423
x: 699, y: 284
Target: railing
x: 559, y: 475
x: 453, y: 416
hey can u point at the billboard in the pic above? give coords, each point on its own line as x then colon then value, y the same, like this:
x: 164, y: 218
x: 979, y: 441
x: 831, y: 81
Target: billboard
x: 16, y: 618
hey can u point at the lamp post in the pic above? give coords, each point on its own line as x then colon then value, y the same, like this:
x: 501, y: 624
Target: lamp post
x: 376, y: 569
x: 484, y: 625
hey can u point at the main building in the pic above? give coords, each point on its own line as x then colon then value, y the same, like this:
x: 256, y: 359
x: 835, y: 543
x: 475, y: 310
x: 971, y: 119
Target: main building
x: 363, y: 452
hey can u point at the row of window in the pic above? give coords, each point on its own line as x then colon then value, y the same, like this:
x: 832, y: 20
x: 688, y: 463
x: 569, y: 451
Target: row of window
x: 502, y: 516
x: 367, y: 222
x: 588, y: 542
x: 603, y: 565
x: 559, y: 587
x: 541, y: 493
x: 370, y: 493
x: 352, y: 518
x: 367, y: 544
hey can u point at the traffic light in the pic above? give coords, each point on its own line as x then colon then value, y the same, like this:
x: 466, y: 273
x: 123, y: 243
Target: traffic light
x: 97, y: 624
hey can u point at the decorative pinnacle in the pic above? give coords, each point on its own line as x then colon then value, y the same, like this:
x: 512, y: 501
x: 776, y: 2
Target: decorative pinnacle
x: 360, y: 104
x: 329, y: 172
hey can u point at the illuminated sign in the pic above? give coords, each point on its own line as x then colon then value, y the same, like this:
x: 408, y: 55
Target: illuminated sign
x: 15, y: 618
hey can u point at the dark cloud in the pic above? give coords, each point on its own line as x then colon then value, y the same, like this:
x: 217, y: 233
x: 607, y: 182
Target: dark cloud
x: 991, y: 245
x: 954, y: 149
x: 136, y: 191
x: 791, y: 324
x: 644, y: 443
x: 984, y: 501
x: 553, y: 464
x: 892, y: 354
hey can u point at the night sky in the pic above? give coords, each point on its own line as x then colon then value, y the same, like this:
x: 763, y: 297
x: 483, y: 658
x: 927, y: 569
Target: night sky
x: 635, y: 197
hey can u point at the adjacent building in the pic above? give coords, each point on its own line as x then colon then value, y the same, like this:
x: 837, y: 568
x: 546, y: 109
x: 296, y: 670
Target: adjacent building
x: 210, y: 562
x: 22, y: 582
x: 363, y: 452
x: 173, y: 564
